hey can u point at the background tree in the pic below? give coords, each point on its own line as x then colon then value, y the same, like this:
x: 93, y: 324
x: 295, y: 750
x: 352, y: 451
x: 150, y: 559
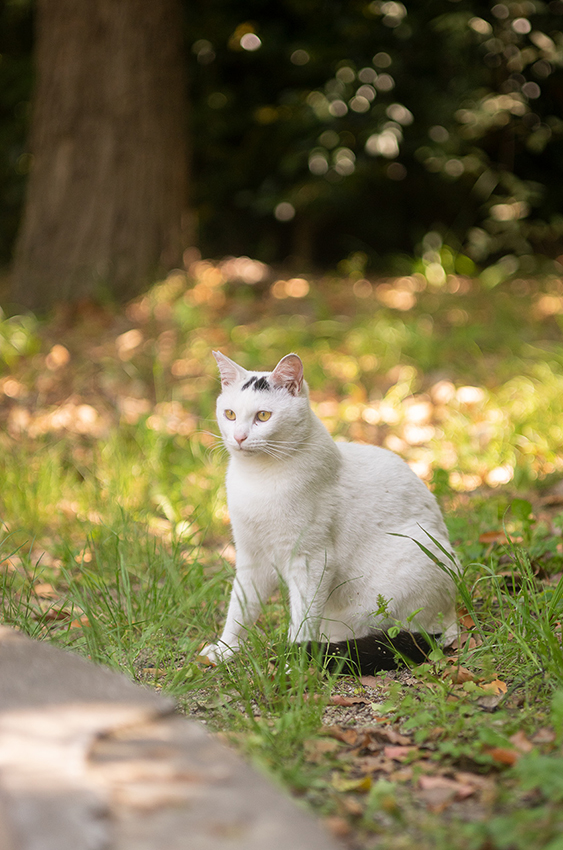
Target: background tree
x: 106, y: 201
x: 391, y: 131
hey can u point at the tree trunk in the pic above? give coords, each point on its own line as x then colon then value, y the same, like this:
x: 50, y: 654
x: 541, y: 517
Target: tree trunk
x: 107, y: 193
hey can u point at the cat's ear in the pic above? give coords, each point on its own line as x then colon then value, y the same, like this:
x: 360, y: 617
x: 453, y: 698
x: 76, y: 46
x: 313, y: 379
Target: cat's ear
x: 229, y: 370
x: 289, y: 374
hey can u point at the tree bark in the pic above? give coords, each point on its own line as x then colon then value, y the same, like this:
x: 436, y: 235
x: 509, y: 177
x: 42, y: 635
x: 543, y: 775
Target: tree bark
x: 106, y: 207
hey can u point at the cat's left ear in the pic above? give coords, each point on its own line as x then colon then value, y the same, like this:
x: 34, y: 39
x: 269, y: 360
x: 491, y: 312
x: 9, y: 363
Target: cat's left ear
x: 289, y: 374
x: 229, y: 370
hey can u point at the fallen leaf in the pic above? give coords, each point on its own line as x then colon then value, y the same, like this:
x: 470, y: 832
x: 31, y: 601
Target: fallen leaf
x: 466, y: 640
x: 495, y: 687
x: 476, y: 780
x: 387, y: 733
x: 459, y: 675
x: 460, y: 789
x: 339, y: 699
x: 544, y: 736
x: 351, y: 806
x: 438, y: 792
x: 343, y: 784
x: 493, y: 537
x: 399, y: 753
x: 338, y: 826
x: 404, y: 774
x: 53, y: 615
x: 47, y: 591
x: 370, y: 764
x: 316, y: 748
x: 503, y: 755
x: 347, y: 736
x: 465, y: 618
x: 370, y: 681
x: 521, y: 742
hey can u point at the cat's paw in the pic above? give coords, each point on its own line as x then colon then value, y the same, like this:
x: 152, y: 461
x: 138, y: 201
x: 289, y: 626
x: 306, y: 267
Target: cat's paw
x: 215, y: 653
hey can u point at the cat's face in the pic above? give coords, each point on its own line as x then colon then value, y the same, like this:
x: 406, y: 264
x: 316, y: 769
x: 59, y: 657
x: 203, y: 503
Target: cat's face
x: 263, y: 413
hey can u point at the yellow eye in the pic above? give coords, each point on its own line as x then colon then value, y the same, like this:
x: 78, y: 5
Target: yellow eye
x: 263, y: 415
x: 230, y: 414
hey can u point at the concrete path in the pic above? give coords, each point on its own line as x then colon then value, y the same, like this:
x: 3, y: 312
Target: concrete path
x: 91, y: 761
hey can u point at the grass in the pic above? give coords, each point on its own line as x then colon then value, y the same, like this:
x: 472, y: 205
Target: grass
x: 115, y: 540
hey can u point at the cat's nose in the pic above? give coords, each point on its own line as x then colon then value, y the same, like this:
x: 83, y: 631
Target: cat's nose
x: 240, y: 438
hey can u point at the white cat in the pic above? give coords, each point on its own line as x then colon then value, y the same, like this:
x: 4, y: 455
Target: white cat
x: 323, y: 516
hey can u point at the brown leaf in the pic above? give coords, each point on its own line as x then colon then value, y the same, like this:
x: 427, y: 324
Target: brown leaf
x: 460, y: 789
x: 503, y: 755
x: 338, y: 826
x: 316, y: 748
x: 347, y: 736
x: 351, y: 806
x: 53, y: 615
x: 438, y: 792
x: 45, y: 590
x: 399, y: 753
x: 544, y: 736
x: 370, y: 764
x: 339, y: 699
x: 495, y: 687
x: 466, y: 640
x: 459, y: 675
x: 493, y: 537
x: 370, y: 681
x: 387, y: 733
x: 521, y: 742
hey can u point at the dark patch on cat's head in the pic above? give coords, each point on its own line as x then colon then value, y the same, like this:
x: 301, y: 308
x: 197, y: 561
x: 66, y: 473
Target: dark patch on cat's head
x: 257, y: 383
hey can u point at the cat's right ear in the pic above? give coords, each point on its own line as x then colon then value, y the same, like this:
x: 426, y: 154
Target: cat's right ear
x: 230, y: 371
x: 289, y: 374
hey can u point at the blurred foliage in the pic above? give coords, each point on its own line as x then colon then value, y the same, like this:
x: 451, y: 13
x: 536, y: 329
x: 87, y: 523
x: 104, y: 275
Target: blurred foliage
x: 360, y: 126
x: 324, y: 130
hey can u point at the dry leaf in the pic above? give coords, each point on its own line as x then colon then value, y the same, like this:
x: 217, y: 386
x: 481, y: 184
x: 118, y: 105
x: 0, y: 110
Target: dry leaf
x: 347, y: 736
x: 343, y: 784
x: 460, y: 789
x: 521, y: 742
x: 438, y: 792
x: 459, y: 675
x: 389, y: 734
x: 544, y: 736
x: 351, y: 806
x: 338, y: 826
x: 339, y: 699
x: 465, y: 618
x: 316, y: 748
x: 493, y: 537
x: 45, y: 590
x: 399, y: 753
x: 370, y: 764
x: 370, y: 681
x: 495, y: 687
x: 503, y: 755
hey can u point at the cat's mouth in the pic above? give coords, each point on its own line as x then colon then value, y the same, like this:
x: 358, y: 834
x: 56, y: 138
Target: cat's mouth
x: 242, y: 449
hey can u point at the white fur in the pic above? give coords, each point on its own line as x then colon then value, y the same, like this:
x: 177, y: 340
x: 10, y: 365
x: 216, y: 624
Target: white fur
x: 321, y: 516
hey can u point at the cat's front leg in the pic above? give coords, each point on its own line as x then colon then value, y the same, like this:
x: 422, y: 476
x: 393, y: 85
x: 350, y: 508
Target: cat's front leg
x: 309, y: 584
x: 251, y: 589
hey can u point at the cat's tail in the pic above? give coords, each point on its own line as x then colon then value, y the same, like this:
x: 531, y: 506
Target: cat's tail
x: 375, y: 651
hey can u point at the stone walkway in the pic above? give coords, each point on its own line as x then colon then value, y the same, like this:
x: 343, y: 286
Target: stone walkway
x: 91, y: 761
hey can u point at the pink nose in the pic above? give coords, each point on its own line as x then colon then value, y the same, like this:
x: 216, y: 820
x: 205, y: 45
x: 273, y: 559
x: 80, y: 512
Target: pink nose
x: 240, y: 439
